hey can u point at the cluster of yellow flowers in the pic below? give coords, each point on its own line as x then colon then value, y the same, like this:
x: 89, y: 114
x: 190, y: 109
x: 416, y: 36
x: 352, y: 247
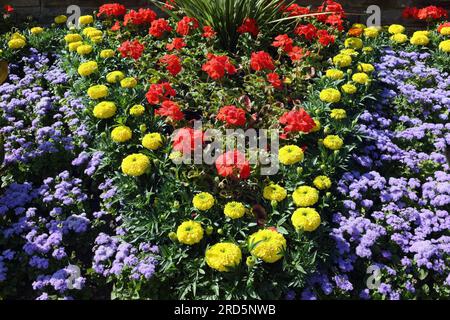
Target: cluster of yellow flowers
x: 17, y: 41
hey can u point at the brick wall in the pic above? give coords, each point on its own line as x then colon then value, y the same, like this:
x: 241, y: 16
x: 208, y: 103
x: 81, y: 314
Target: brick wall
x: 391, y: 9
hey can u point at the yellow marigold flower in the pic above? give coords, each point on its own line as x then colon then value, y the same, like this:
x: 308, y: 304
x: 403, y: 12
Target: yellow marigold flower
x: 135, y: 165
x: 359, y: 26
x: 445, y: 46
x: 114, y: 76
x: 83, y: 20
x: 371, y: 32
x: 396, y: 29
x: 399, y: 38
x: 334, y: 74
x: 190, y: 232
x: 366, y: 67
x: 16, y: 43
x: 268, y: 245
x: 223, y: 256
x: 97, y: 39
x: 322, y: 182
x: 361, y: 78
x: 60, y: 19
x: 421, y: 33
x: 342, y: 60
x: 349, y: 88
x: 87, y: 68
x: 419, y: 40
x: 137, y: 110
x: 274, y: 192
x: 203, y: 201
x: 234, y: 210
x: 333, y: 142
x: 36, y: 30
x: 353, y: 43
x: 17, y: 35
x: 72, y: 37
x: 92, y: 32
x: 330, y: 95
x: 445, y: 31
x: 290, y: 154
x: 98, y: 91
x: 152, y: 141
x: 107, y: 53
x: 105, y: 110
x: 73, y: 46
x: 128, y: 83
x: 367, y: 49
x: 338, y: 114
x: 318, y: 125
x: 121, y: 134
x: 350, y: 52
x: 305, y: 196
x: 87, y: 30
x: 84, y: 49
x: 306, y: 219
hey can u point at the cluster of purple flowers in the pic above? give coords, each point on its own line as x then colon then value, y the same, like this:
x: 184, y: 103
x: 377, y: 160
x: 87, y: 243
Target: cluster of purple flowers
x: 391, y: 234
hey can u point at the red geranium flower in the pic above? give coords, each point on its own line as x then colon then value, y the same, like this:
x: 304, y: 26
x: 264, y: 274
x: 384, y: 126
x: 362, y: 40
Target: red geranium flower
x: 232, y: 115
x: 432, y: 13
x: 336, y: 21
x: 217, y: 66
x: 283, y: 41
x: 116, y: 26
x: 112, y: 10
x: 296, y: 10
x: 261, y: 60
x: 159, y: 92
x: 410, y: 13
x: 297, y: 121
x: 176, y: 44
x: 187, y: 140
x: 140, y: 17
x: 325, y: 38
x: 297, y: 53
x: 158, y: 27
x: 172, y: 62
x: 275, y: 81
x: 309, y: 31
x: 185, y: 25
x: 8, y: 8
x: 171, y: 110
x: 249, y: 26
x: 208, y: 32
x: 131, y: 49
x: 330, y: 6
x: 233, y: 164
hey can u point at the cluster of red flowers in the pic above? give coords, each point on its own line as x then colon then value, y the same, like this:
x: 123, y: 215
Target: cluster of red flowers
x: 428, y: 13
x: 131, y: 49
x: 187, y: 140
x: 233, y: 164
x: 8, y: 8
x: 112, y: 10
x: 208, y: 32
x: 310, y: 32
x: 296, y: 10
x: 286, y: 43
x: 185, y: 25
x: 336, y: 17
x: 176, y: 44
x: 232, y: 115
x: 170, y: 110
x: 249, y: 26
x: 172, y: 63
x: 159, y: 27
x: 261, y: 60
x: 275, y: 81
x: 297, y: 121
x: 160, y: 92
x: 140, y: 17
x: 217, y: 66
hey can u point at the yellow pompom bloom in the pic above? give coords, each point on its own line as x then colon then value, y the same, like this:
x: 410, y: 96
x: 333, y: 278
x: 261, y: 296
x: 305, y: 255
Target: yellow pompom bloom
x: 190, y: 232
x: 361, y: 78
x: 399, y: 38
x: 17, y: 35
x: 72, y: 37
x: 445, y: 46
x: 353, y: 43
x: 396, y: 29
x: 98, y: 91
x: 121, y: 134
x: 128, y: 83
x: 349, y: 88
x: 342, y: 60
x: 267, y: 245
x: 223, y: 256
x: 73, y: 46
x: 445, y: 31
x: 87, y: 30
x: 322, y: 182
x: 203, y: 201
x: 338, y: 114
x: 305, y: 196
x: 152, y: 141
x: 366, y: 67
x: 330, y: 95
x: 105, y: 110
x: 421, y: 33
x: 419, y: 40
x: 36, y: 30
x: 60, y: 19
x: 83, y: 20
x: 318, y: 125
x: 371, y: 32
x: 84, y: 49
x: 290, y: 154
x: 16, y: 43
x: 359, y: 26
x: 92, y: 32
x: 107, y: 53
x: 306, y: 219
x: 114, y: 76
x: 349, y: 52
x: 87, y: 68
x: 137, y: 110
x: 97, y: 39
x: 135, y: 165
x: 274, y: 192
x: 333, y: 142
x: 334, y: 74
x: 234, y: 210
